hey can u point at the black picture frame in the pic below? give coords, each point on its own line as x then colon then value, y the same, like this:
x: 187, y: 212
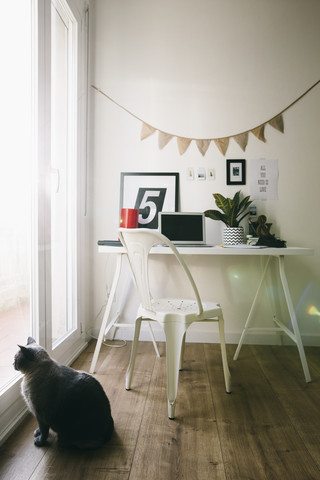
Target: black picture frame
x: 236, y: 172
x: 151, y: 193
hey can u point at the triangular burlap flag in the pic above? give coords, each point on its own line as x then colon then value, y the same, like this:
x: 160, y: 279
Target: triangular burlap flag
x: 222, y: 144
x: 259, y: 133
x: 163, y: 139
x: 183, y: 144
x: 277, y: 123
x: 203, y: 145
x: 146, y: 131
x: 242, y: 140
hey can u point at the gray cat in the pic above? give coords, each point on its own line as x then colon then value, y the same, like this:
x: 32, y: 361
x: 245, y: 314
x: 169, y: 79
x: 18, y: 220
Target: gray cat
x: 70, y: 402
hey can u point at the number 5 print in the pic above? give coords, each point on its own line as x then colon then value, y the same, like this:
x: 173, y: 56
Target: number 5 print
x: 149, y: 202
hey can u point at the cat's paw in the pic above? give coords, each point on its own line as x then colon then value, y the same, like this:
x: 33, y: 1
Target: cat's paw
x: 37, y: 432
x: 39, y: 441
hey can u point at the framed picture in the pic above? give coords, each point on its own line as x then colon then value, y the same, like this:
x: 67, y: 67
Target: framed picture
x: 151, y: 193
x: 236, y: 172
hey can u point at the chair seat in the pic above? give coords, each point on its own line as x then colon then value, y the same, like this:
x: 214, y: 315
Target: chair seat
x: 185, y: 308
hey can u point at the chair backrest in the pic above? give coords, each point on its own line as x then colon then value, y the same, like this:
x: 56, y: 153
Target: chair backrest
x: 138, y: 243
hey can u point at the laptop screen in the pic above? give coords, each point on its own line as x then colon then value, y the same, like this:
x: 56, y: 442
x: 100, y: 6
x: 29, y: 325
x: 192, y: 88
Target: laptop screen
x: 183, y: 227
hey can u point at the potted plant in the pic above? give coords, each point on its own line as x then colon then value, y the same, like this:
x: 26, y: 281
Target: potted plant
x: 232, y: 212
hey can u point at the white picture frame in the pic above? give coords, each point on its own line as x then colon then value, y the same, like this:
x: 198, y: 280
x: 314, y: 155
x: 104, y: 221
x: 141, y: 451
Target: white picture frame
x: 150, y: 193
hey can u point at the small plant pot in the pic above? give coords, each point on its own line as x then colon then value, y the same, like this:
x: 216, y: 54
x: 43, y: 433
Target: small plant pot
x: 233, y: 235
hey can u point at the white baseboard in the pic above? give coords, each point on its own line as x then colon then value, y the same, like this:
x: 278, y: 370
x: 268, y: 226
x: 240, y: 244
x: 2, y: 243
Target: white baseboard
x: 75, y: 354
x: 209, y: 334
x: 14, y: 423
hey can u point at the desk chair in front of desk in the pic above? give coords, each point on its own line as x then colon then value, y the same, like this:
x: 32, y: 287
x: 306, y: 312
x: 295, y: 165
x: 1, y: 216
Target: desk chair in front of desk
x: 174, y: 315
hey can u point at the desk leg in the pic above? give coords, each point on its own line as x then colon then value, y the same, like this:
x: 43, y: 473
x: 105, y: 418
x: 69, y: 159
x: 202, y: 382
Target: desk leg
x: 296, y: 337
x: 249, y: 319
x: 107, y: 312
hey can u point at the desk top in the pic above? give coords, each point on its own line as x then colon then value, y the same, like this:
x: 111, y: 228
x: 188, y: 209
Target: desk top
x: 245, y: 250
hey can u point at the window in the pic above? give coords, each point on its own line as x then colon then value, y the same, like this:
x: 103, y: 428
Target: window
x: 15, y: 187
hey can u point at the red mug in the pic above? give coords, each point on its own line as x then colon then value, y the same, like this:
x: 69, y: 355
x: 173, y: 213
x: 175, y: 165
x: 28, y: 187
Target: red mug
x: 129, y: 218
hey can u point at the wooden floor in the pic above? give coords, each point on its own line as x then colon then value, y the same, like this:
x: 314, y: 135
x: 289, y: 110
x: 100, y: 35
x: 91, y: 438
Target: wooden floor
x: 267, y: 428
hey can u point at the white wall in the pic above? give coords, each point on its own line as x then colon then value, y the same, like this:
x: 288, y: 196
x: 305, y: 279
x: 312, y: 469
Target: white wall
x: 208, y: 69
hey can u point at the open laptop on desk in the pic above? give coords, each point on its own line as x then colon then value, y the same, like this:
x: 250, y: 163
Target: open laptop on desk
x: 184, y: 229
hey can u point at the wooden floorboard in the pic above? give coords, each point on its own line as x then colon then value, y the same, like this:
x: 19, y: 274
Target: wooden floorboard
x: 300, y: 399
x: 258, y: 437
x: 187, y: 447
x: 266, y: 429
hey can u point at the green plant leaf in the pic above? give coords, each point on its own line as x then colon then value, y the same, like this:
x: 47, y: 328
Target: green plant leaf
x: 222, y: 202
x: 236, y: 198
x: 244, y: 204
x: 233, y: 210
x: 243, y: 216
x: 216, y: 215
x: 233, y: 216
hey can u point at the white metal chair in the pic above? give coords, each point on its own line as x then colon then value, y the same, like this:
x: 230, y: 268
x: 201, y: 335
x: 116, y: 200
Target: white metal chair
x: 175, y: 315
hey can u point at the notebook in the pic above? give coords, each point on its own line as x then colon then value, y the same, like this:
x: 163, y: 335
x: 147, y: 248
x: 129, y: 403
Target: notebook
x: 183, y: 228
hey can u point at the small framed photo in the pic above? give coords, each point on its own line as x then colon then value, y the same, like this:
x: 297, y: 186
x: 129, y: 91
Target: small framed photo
x: 151, y: 193
x: 236, y: 172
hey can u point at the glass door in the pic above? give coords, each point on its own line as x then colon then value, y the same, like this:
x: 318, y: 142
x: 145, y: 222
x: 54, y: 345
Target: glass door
x: 40, y: 186
x: 15, y: 187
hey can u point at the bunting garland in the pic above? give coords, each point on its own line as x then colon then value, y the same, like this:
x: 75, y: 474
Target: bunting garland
x: 242, y: 140
x: 203, y: 143
x: 183, y: 144
x: 163, y: 139
x: 221, y: 143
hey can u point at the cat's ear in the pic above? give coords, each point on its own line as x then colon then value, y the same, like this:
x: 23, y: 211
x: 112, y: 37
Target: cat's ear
x: 30, y: 340
x: 28, y: 354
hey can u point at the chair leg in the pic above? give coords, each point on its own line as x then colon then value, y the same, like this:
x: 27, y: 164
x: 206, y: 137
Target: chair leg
x: 175, y: 333
x: 153, y: 340
x: 182, y: 351
x: 133, y: 353
x: 226, y: 371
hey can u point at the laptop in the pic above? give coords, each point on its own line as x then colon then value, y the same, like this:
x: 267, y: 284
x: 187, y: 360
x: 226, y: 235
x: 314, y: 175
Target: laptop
x: 183, y: 228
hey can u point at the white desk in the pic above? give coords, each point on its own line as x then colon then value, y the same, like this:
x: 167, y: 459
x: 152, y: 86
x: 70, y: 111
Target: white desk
x: 279, y: 253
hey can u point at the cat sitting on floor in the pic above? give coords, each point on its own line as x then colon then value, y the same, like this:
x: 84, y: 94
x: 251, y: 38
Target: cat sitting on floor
x: 70, y: 402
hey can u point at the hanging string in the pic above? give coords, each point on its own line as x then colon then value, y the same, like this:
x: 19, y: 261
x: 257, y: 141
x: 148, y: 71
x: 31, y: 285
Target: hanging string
x: 221, y: 143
